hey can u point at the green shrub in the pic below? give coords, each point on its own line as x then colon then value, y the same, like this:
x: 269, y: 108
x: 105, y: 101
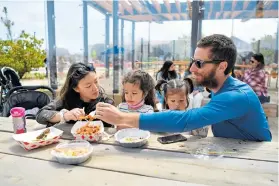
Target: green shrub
x: 35, y: 75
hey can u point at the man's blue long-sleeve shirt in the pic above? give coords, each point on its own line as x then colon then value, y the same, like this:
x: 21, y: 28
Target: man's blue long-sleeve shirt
x: 234, y: 112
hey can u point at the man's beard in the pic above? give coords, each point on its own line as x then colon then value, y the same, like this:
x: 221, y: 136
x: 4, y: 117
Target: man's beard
x: 209, y: 81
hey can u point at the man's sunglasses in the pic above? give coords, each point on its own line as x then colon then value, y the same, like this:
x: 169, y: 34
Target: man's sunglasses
x: 199, y: 63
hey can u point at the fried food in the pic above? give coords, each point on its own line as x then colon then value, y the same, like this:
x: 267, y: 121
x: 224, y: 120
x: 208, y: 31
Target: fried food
x: 44, y: 134
x: 88, y: 117
x: 88, y: 130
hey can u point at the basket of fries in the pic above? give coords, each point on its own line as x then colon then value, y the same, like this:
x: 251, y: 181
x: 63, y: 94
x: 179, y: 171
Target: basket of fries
x: 88, y: 130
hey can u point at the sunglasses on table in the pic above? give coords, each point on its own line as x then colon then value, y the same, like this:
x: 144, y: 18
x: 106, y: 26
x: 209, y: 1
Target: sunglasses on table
x: 199, y: 63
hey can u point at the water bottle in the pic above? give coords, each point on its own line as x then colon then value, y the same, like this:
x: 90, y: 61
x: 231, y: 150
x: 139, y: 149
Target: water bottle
x: 19, y: 122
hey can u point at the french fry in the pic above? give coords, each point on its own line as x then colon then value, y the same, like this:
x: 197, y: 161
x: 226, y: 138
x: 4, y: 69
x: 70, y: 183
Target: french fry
x: 88, y: 117
x: 88, y: 130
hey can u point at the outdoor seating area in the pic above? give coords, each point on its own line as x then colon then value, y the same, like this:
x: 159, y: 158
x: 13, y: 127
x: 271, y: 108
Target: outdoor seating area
x: 133, y: 92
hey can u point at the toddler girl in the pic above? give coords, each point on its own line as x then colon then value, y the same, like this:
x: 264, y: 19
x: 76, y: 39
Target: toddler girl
x: 176, y: 97
x: 138, y: 93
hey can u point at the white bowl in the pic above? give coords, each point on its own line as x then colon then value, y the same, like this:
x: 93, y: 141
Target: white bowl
x: 138, y: 137
x: 66, y: 159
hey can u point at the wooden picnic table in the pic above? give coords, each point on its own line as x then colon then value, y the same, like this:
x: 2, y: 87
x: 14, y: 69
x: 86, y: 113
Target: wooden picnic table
x: 243, y: 163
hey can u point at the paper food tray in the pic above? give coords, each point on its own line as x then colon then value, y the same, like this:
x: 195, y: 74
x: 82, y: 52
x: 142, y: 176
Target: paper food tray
x: 28, y: 140
x: 93, y: 137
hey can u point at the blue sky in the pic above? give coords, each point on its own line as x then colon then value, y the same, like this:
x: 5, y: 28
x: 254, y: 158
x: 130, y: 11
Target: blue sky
x: 30, y: 16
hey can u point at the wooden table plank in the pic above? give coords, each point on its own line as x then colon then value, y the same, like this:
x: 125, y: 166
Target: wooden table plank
x: 14, y: 172
x: 165, y: 165
x: 264, y: 151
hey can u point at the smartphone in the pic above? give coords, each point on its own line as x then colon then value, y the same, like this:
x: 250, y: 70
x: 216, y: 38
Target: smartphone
x: 171, y: 139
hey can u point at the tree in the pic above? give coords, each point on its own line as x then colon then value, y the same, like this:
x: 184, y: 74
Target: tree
x: 7, y: 23
x: 22, y: 54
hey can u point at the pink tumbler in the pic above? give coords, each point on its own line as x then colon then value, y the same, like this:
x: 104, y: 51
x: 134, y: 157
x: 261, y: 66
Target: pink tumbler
x: 18, y: 115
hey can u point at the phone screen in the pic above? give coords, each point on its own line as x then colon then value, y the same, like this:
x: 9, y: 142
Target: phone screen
x: 171, y: 139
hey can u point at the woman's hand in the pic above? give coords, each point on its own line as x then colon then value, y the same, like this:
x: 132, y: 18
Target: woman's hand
x: 108, y: 113
x: 74, y: 114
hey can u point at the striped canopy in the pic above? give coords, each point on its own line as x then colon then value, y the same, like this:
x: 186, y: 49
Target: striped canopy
x: 177, y: 10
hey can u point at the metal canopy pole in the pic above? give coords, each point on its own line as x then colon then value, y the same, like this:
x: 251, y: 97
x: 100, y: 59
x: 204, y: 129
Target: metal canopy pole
x: 148, y: 45
x: 133, y: 45
x: 141, y: 53
x: 122, y: 45
x: 85, y: 33
x: 258, y: 46
x: 107, y: 46
x: 195, y: 26
x: 115, y: 48
x: 51, y: 45
x: 173, y: 50
x: 201, y: 16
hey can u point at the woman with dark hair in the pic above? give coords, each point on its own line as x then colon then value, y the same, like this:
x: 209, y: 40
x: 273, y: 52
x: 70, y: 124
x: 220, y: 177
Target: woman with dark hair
x: 78, y: 97
x: 256, y: 77
x: 167, y: 72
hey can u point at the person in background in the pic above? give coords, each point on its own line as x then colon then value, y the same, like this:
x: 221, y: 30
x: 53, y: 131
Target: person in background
x: 167, y: 72
x: 46, y: 66
x: 256, y: 77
